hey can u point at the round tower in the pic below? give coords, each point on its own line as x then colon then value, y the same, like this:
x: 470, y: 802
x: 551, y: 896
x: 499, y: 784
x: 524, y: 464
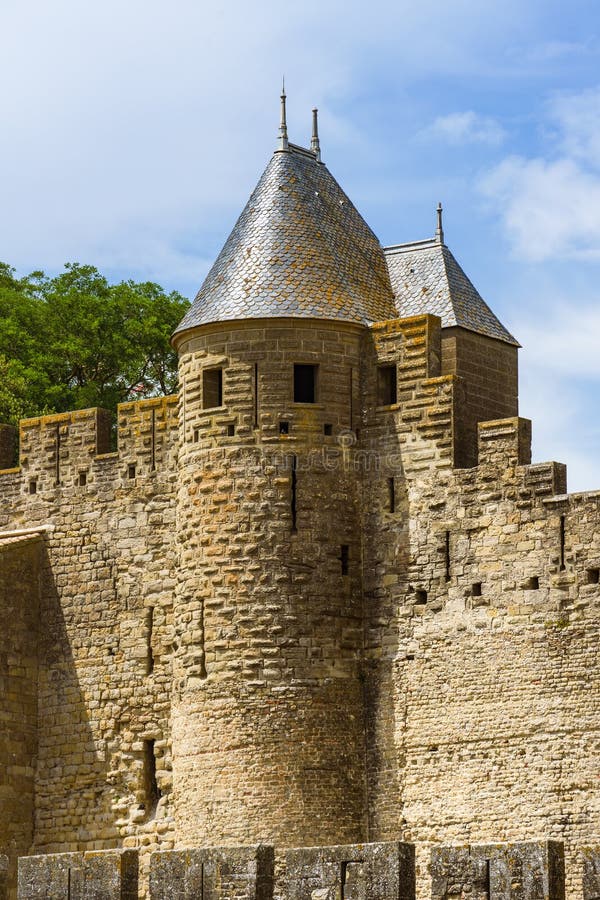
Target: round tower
x: 268, y: 736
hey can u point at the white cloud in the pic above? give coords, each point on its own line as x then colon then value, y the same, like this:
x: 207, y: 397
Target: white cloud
x: 125, y: 118
x: 467, y: 128
x: 559, y: 385
x: 549, y: 209
x: 550, y: 205
x: 578, y: 119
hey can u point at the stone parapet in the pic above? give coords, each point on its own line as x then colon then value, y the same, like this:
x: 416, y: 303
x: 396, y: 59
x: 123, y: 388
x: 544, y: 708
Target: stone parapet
x: 531, y: 870
x: 93, y: 875
x: 218, y: 873
x: 378, y: 871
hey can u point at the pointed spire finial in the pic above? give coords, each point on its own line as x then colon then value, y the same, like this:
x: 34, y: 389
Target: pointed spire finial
x: 314, y: 141
x: 439, y: 232
x: 283, y: 135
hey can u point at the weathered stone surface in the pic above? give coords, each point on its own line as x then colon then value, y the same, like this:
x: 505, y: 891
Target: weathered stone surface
x: 3, y: 877
x: 93, y: 875
x: 512, y: 871
x: 384, y: 871
x: 218, y: 873
x: 591, y: 873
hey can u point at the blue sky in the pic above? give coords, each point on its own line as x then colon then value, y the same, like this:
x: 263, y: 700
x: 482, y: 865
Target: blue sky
x: 134, y: 132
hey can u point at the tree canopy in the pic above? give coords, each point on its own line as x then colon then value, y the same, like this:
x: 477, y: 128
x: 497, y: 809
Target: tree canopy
x: 74, y: 340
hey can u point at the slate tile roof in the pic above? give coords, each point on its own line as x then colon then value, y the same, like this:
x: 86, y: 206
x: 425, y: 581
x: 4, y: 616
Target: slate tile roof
x: 426, y: 278
x: 300, y: 249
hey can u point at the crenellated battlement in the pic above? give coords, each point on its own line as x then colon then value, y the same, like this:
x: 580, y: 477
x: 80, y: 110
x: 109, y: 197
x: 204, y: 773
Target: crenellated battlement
x: 511, y: 870
x: 67, y: 450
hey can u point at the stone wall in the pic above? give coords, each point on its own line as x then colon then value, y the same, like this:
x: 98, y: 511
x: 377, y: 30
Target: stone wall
x: 489, y: 371
x: 105, y: 613
x: 20, y: 559
x: 103, y: 875
x: 267, y: 709
x: 218, y: 873
x: 486, y: 702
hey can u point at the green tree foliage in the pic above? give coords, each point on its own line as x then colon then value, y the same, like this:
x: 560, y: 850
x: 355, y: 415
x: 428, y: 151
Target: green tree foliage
x: 75, y: 341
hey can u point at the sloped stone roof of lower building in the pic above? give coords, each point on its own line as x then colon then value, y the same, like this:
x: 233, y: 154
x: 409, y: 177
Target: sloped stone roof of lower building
x: 426, y: 278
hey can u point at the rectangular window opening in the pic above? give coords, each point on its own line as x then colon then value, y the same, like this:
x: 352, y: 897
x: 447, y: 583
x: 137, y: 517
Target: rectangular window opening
x: 82, y: 479
x: 196, y: 435
x: 33, y: 486
x: 344, y: 558
x: 593, y: 576
x: 476, y: 589
x: 420, y: 597
x: 447, y: 555
x: 212, y: 388
x: 387, y: 389
x: 230, y: 430
x: 284, y: 428
x: 293, y: 491
x: 305, y: 383
x: 328, y: 430
x: 533, y: 583
x: 131, y: 470
x: 152, y: 792
x: 391, y: 495
x: 149, y: 633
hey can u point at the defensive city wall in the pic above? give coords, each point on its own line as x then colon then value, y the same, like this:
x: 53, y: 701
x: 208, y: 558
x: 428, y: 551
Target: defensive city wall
x: 268, y: 622
x: 375, y: 871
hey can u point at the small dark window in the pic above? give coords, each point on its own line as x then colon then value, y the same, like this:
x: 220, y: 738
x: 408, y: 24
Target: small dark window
x: 212, y: 388
x: 476, y: 589
x: 593, y: 576
x: 149, y: 632
x: 230, y: 430
x: 131, y: 470
x: 328, y: 430
x: 533, y: 583
x: 391, y: 495
x: 196, y: 435
x: 387, y: 392
x: 82, y: 479
x: 284, y: 428
x: 152, y: 792
x: 305, y: 383
x: 33, y: 486
x: 420, y: 596
x: 294, y: 494
x: 344, y: 558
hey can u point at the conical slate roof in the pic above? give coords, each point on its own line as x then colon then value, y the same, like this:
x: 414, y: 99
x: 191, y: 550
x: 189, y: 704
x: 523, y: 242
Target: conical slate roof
x: 426, y: 278
x: 299, y: 249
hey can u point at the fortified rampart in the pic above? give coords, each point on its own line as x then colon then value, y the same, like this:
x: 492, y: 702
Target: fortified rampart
x: 88, y: 558
x: 321, y: 599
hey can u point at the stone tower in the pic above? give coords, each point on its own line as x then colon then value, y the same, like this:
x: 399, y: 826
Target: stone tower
x: 268, y: 719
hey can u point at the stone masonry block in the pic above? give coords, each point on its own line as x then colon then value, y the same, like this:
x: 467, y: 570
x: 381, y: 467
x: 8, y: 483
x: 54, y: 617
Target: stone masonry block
x: 591, y: 873
x: 3, y: 877
x: 382, y: 871
x: 93, y: 875
x: 505, y: 442
x: 217, y: 873
x: 532, y: 870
